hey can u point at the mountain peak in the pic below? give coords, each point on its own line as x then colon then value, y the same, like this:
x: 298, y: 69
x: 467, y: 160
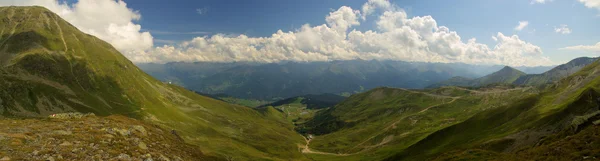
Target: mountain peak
x: 508, y: 68
x: 28, y: 14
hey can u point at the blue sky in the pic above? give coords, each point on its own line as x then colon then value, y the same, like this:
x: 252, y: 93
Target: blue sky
x: 479, y: 19
x: 247, y: 30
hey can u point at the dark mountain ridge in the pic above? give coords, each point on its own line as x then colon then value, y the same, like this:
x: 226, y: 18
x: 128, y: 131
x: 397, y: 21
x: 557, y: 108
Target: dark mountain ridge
x: 555, y: 73
x: 504, y: 75
x: 508, y: 76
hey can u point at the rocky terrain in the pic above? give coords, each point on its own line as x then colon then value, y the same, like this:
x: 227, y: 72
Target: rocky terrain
x: 76, y: 136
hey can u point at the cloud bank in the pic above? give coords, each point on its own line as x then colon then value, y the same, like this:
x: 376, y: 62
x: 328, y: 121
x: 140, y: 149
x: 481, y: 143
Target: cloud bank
x: 396, y: 37
x: 589, y: 48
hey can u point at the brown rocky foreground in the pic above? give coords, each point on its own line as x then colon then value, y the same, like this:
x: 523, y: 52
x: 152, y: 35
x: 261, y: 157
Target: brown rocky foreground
x: 76, y: 136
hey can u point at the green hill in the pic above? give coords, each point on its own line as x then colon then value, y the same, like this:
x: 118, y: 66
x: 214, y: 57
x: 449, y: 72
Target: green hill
x: 311, y: 101
x: 505, y: 75
x: 453, y: 123
x: 48, y: 66
x: 381, y: 122
x: 567, y: 106
x: 556, y: 73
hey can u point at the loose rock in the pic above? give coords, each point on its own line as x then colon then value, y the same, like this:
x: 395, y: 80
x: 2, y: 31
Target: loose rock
x: 66, y: 143
x: 124, y: 157
x: 142, y: 145
x: 63, y: 132
x: 163, y: 158
x: 140, y: 129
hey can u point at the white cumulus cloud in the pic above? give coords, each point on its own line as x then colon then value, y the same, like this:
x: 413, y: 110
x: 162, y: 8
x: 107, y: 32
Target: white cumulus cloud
x: 108, y: 20
x: 588, y: 48
x: 397, y: 37
x: 522, y: 25
x: 591, y: 3
x: 563, y: 29
x: 369, y: 7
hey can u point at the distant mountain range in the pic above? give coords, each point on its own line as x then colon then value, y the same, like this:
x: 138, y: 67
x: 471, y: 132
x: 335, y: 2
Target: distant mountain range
x: 509, y: 75
x: 289, y: 79
x: 555, y: 73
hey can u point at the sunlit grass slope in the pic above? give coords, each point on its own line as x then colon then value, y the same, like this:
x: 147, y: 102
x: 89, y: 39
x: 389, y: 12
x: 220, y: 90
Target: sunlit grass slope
x: 48, y: 66
x: 379, y: 123
x: 520, y: 125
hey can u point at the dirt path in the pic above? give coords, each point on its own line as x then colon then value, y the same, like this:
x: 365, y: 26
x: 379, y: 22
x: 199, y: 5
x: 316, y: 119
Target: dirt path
x: 428, y: 94
x: 492, y: 91
x: 393, y: 125
x: 306, y: 149
x: 453, y: 99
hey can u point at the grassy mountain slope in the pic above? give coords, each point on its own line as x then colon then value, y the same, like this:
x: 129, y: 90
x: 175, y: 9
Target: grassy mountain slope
x: 379, y: 123
x: 504, y: 75
x: 521, y: 124
x: 48, y: 66
x: 493, y: 122
x: 564, y: 145
x: 311, y: 101
x: 556, y: 73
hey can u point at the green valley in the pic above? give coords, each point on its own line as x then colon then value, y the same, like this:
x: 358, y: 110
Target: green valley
x: 69, y: 95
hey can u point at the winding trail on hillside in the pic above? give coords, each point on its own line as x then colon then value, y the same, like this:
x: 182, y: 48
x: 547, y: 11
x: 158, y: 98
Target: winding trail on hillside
x: 427, y: 94
x: 306, y: 149
x: 393, y: 125
x: 453, y: 99
x: 492, y: 91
